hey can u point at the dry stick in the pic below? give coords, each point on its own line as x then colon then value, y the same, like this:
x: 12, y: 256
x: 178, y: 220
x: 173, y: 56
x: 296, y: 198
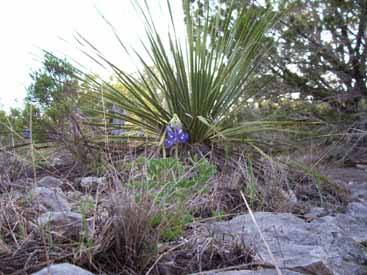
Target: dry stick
x: 105, y: 121
x: 201, y: 220
x: 11, y: 132
x: 95, y: 213
x: 261, y: 235
x: 32, y: 147
x: 107, y: 147
x: 236, y: 267
x: 109, y: 157
x: 165, y: 253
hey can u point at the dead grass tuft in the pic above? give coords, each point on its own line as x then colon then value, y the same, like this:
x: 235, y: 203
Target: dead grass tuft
x: 12, y: 168
x: 128, y: 240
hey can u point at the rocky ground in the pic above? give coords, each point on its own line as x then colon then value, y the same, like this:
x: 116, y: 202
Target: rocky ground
x: 320, y: 242
x: 316, y: 243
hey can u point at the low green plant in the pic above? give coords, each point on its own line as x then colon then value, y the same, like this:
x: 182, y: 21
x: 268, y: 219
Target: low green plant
x: 251, y: 184
x: 174, y: 223
x: 172, y: 179
x: 173, y: 182
x: 86, y: 208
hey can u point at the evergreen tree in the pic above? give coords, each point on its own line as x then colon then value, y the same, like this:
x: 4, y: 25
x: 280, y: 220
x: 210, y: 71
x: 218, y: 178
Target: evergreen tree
x: 319, y: 48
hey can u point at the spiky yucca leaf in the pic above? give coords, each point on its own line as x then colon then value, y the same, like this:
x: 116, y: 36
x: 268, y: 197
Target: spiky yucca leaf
x: 202, y: 79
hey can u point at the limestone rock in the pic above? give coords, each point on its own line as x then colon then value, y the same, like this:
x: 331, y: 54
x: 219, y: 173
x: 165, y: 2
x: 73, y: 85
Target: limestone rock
x: 63, y: 269
x: 358, y: 191
x: 91, y: 183
x: 66, y: 224
x: 354, y: 221
x: 49, y: 182
x: 46, y: 199
x: 251, y: 272
x: 62, y: 158
x: 320, y: 247
x: 74, y: 195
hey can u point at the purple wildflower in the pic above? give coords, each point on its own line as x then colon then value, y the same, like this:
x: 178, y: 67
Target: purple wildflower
x: 26, y: 134
x: 175, y: 136
x: 183, y: 137
x: 168, y: 143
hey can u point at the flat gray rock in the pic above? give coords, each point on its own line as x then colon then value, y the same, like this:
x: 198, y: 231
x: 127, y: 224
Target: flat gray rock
x: 354, y: 221
x: 358, y: 191
x: 66, y: 224
x: 46, y: 199
x: 63, y: 269
x: 320, y: 247
x: 251, y: 272
x: 91, y: 183
x: 49, y: 182
x: 61, y: 158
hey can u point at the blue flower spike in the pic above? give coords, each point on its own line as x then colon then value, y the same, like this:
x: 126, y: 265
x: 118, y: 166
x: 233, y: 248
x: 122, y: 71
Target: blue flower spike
x: 168, y: 143
x: 174, y: 133
x: 183, y: 137
x: 170, y: 134
x: 26, y: 134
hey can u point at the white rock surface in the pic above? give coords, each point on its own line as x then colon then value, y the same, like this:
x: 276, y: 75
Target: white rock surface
x: 46, y: 199
x: 66, y: 224
x: 251, y: 272
x: 91, y: 183
x: 63, y: 269
x: 49, y: 182
x: 328, y: 245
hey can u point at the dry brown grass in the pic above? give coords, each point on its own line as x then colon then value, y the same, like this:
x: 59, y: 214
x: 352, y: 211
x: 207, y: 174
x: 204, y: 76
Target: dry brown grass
x: 12, y: 168
x: 265, y: 183
x: 128, y: 241
x: 124, y: 238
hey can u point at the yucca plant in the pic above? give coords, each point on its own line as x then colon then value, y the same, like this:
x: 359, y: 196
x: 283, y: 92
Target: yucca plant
x: 202, y: 79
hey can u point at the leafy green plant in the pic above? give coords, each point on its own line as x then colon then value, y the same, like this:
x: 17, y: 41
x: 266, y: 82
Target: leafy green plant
x: 250, y: 188
x: 86, y: 207
x: 172, y: 179
x: 172, y: 182
x: 203, y: 85
x: 174, y: 223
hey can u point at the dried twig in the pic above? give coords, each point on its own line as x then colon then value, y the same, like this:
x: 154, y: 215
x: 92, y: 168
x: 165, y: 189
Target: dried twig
x: 261, y: 235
